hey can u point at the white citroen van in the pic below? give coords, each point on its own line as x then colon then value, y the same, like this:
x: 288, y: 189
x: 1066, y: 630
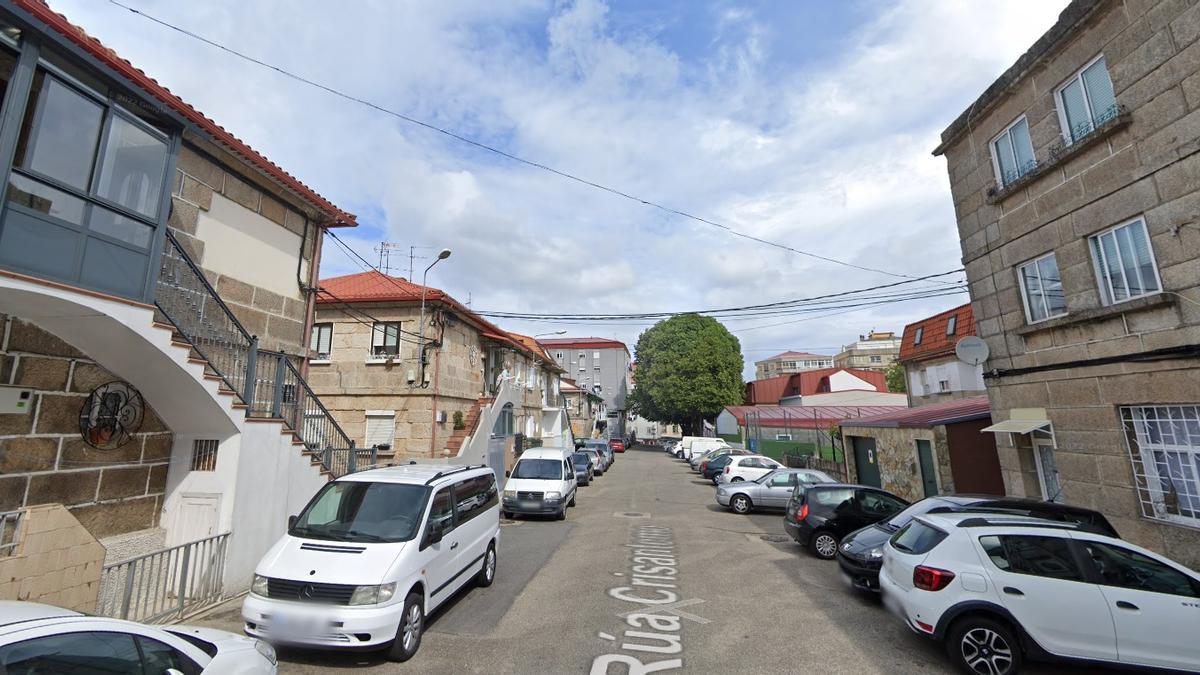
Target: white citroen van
x: 372, y: 554
x: 541, y: 482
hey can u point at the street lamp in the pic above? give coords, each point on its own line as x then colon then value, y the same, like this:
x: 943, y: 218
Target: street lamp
x: 442, y: 255
x: 557, y: 332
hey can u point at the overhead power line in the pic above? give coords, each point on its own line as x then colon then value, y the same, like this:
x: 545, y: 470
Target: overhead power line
x: 507, y: 155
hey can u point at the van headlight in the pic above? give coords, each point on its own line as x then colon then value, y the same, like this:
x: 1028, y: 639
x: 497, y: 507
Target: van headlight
x: 259, y: 587
x: 511, y: 494
x: 373, y: 595
x: 552, y: 496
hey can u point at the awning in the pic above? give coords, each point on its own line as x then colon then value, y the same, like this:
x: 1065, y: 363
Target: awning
x: 1024, y: 421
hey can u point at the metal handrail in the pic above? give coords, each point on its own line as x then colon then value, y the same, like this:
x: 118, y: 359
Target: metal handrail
x: 208, y: 286
x: 164, y: 584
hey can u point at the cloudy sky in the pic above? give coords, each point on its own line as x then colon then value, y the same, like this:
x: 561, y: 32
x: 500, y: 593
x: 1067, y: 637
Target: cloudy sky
x: 808, y: 122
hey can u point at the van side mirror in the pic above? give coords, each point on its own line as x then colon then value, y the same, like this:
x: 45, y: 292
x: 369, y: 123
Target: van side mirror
x: 434, y: 535
x: 292, y: 521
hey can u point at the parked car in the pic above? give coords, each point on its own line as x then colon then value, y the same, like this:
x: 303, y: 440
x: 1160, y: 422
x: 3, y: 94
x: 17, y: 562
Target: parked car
x: 997, y: 589
x: 617, y: 444
x: 700, y: 460
x: 585, y: 467
x: 747, y: 467
x: 599, y: 460
x: 770, y: 491
x: 541, y: 483
x: 373, y: 553
x: 861, y: 552
x: 37, y: 638
x: 818, y: 516
x: 711, y: 468
x: 603, y: 451
x: 698, y: 445
x: 697, y: 459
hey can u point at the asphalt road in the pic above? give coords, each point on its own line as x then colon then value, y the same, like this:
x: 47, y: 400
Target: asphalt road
x: 738, y: 595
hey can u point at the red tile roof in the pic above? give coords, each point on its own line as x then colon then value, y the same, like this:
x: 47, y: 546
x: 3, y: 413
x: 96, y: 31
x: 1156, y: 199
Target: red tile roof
x: 934, y: 341
x: 40, y: 11
x: 585, y: 343
x: 807, y: 417
x: 770, y: 390
x: 932, y: 415
x: 375, y: 286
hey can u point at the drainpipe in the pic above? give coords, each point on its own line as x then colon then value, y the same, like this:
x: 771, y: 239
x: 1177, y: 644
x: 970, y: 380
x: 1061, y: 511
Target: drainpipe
x: 437, y: 361
x: 310, y: 308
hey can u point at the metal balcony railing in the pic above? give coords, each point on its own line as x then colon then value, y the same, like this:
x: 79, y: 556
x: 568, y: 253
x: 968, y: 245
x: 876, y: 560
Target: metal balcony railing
x: 268, y: 382
x: 166, y: 584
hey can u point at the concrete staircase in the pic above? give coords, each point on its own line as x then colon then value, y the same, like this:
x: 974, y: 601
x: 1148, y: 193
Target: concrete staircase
x: 470, y: 424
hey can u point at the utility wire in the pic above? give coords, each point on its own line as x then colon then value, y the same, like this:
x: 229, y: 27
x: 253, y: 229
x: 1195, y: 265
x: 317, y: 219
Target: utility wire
x: 507, y: 155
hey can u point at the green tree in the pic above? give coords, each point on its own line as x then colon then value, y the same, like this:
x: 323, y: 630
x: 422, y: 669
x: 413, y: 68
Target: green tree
x: 689, y: 368
x: 897, y: 381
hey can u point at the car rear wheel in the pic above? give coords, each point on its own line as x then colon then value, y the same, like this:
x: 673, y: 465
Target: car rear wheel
x: 488, y: 573
x: 982, y: 646
x: 741, y: 504
x: 412, y: 625
x: 824, y: 545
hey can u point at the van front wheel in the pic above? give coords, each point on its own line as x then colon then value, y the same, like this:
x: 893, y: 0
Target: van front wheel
x: 412, y: 625
x: 488, y: 573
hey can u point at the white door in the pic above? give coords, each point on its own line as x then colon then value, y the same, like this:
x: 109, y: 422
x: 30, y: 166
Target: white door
x: 1155, y: 607
x: 198, y: 517
x: 1039, y: 581
x: 441, y: 568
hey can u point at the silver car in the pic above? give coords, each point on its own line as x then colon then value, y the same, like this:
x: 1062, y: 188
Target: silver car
x: 770, y: 491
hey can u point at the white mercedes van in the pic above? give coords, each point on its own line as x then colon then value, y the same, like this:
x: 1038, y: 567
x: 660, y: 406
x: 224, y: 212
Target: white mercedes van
x: 541, y: 482
x: 372, y: 554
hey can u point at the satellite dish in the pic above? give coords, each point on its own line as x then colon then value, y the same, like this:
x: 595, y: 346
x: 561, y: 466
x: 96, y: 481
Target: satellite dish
x: 972, y: 350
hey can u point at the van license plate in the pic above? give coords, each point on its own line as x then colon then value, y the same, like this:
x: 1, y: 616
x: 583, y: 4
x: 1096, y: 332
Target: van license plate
x: 296, y: 626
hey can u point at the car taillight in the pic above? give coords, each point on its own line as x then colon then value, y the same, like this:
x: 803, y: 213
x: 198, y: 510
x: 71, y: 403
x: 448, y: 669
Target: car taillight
x: 726, y: 469
x: 931, y: 578
x: 704, y: 466
x: 802, y: 513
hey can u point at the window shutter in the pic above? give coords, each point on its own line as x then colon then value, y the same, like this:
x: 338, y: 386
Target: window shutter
x: 1078, y: 121
x: 1023, y: 145
x: 381, y: 429
x: 1099, y: 90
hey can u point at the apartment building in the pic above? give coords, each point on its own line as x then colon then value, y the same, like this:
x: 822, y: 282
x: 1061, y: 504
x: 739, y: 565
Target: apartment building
x: 1075, y: 181
x: 599, y: 365
x: 789, y: 363
x: 931, y: 367
x: 874, y: 351
x: 369, y: 332
x: 155, y: 278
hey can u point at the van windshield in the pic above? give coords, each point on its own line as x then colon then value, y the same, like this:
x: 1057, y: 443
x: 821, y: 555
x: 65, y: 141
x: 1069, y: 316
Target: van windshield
x: 363, y: 512
x: 539, y: 469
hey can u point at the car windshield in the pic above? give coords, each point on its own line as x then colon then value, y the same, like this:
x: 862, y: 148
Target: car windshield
x: 538, y: 469
x: 362, y: 511
x: 901, y: 519
x: 580, y: 459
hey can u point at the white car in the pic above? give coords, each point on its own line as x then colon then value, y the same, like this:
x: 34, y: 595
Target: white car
x: 541, y: 483
x: 998, y: 589
x: 373, y: 554
x: 747, y: 467
x: 36, y: 638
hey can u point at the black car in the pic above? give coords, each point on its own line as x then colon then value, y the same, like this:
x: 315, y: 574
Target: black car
x: 582, y: 462
x: 715, y: 465
x: 818, y: 516
x: 861, y: 553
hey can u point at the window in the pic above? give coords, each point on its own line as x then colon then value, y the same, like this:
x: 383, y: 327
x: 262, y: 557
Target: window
x: 1123, y: 568
x: 919, y: 334
x: 1041, y: 288
x: 783, y: 437
x: 1037, y: 556
x: 783, y: 480
x: 385, y: 339
x: 381, y: 428
x: 204, y: 455
x: 878, y: 504
x: 943, y: 385
x: 951, y: 325
x: 1164, y: 447
x: 158, y: 658
x: 473, y: 496
x: 1012, y: 153
x: 1086, y: 101
x: 876, y: 359
x: 1125, y: 263
x: 917, y: 538
x: 558, y: 356
x: 73, y: 653
x: 322, y: 340
x: 596, y: 355
x: 441, y: 513
x: 597, y: 369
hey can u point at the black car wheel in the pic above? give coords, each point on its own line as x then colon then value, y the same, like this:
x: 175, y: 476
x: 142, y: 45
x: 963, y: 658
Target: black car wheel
x: 982, y: 646
x: 741, y: 504
x: 412, y: 625
x: 487, y: 574
x: 824, y: 545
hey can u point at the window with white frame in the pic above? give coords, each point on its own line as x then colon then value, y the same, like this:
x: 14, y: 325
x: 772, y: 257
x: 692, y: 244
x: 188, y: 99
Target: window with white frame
x: 951, y: 325
x: 876, y: 359
x: 919, y: 334
x: 783, y: 437
x: 1164, y: 448
x: 381, y: 428
x: 1012, y: 153
x: 1125, y: 262
x: 385, y: 339
x: 321, y: 341
x: 943, y: 385
x: 595, y: 355
x: 1041, y: 289
x: 1086, y: 101
x: 558, y: 356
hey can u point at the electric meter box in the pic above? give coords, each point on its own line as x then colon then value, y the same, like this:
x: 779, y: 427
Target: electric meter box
x: 15, y: 400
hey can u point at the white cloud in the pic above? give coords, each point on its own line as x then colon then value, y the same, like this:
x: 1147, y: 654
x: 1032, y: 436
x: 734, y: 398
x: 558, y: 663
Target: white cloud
x: 831, y: 157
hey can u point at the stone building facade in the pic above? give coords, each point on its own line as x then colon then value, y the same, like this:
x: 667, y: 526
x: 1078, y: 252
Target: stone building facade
x: 874, y: 351
x: 1075, y: 182
x: 931, y: 367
